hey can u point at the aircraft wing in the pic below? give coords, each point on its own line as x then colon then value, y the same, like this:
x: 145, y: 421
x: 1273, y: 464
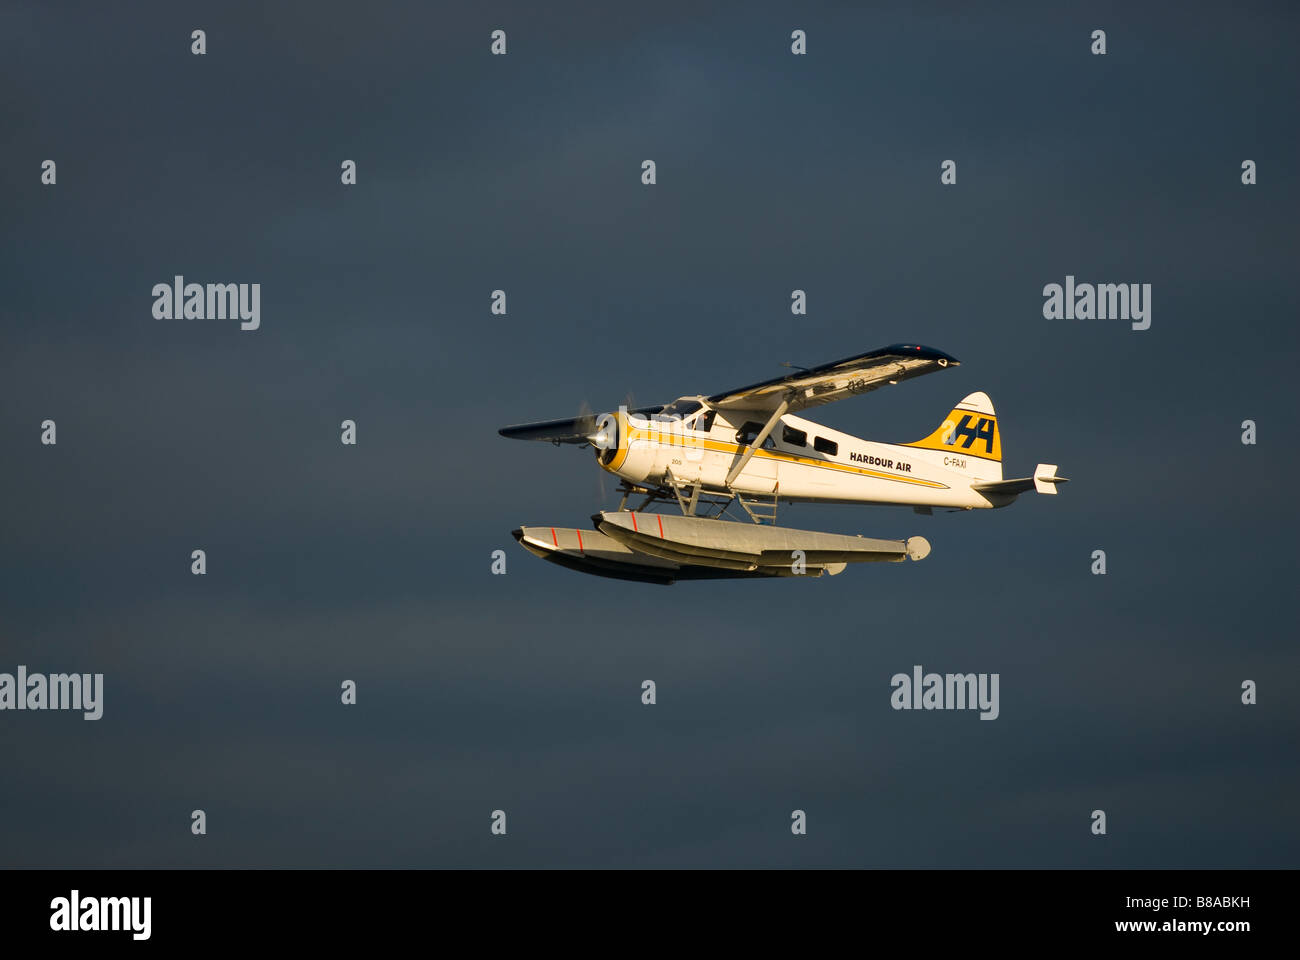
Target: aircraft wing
x: 572, y: 430
x: 836, y: 380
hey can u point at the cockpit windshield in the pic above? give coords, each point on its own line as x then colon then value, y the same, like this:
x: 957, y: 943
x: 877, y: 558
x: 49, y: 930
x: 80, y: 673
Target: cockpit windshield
x: 681, y: 408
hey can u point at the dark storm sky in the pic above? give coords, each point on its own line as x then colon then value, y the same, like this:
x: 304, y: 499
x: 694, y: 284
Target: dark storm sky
x: 522, y: 172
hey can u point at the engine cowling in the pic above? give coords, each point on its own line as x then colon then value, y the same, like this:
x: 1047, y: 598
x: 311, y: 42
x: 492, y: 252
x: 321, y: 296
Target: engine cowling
x: 606, y: 438
x: 629, y: 445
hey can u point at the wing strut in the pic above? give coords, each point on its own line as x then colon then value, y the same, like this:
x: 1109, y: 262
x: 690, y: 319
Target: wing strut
x: 757, y: 442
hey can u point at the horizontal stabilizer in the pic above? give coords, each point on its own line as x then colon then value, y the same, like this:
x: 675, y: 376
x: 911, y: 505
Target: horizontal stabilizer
x: 1044, y: 480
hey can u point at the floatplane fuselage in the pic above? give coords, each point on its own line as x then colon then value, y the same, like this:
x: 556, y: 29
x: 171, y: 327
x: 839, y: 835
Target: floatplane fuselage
x: 689, y: 443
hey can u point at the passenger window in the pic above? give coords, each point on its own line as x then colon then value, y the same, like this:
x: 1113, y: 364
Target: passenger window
x: 796, y: 438
x: 705, y: 423
x: 822, y: 445
x: 746, y: 434
x: 749, y: 433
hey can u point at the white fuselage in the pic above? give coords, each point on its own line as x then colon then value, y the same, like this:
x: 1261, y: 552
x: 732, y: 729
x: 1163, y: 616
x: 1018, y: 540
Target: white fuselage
x: 800, y: 460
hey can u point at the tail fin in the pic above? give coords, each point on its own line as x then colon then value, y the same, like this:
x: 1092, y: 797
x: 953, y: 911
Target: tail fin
x: 970, y: 439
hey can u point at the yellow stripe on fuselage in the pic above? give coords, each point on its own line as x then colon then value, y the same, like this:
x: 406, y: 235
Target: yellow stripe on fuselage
x: 723, y: 446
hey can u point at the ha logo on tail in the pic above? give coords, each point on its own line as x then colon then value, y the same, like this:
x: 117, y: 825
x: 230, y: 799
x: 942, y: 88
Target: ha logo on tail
x: 971, y: 443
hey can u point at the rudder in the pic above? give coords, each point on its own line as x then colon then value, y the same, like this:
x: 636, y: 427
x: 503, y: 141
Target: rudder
x: 970, y: 438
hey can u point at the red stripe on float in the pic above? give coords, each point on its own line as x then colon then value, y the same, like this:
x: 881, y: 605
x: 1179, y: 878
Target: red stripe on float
x: 634, y: 521
x: 553, y: 540
x: 579, y: 532
x: 661, y: 527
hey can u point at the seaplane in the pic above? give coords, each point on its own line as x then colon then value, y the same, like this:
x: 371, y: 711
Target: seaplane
x: 721, y: 465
